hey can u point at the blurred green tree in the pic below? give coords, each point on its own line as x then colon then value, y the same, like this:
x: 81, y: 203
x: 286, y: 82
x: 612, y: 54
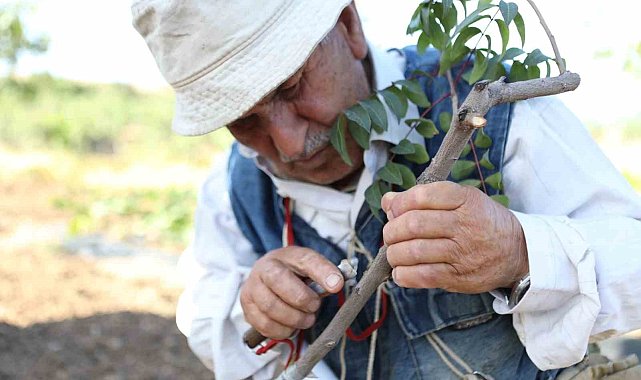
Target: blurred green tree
x: 13, y: 38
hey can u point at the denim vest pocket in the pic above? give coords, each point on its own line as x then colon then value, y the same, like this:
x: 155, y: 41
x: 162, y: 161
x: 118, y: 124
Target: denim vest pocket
x: 421, y: 311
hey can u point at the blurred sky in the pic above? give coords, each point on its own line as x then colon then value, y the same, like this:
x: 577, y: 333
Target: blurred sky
x: 93, y: 41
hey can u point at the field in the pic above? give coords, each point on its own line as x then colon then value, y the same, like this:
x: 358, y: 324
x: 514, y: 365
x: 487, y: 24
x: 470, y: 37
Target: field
x: 96, y: 200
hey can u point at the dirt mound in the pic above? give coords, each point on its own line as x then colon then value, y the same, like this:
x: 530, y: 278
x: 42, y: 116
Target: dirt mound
x: 109, y: 346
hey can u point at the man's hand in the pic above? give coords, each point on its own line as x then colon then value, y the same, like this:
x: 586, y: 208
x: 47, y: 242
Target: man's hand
x: 276, y: 300
x: 444, y: 235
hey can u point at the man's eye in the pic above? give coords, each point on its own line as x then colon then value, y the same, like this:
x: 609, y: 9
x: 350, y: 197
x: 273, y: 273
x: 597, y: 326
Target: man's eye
x: 244, y: 124
x: 290, y: 92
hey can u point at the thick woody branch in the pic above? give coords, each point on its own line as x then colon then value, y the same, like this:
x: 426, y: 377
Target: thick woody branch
x: 471, y: 115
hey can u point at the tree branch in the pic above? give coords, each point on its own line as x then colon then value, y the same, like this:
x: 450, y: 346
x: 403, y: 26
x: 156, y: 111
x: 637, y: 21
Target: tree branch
x: 471, y: 115
x: 453, y: 94
x: 557, y: 55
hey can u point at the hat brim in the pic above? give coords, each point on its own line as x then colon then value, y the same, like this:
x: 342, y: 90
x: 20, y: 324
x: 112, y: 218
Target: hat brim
x: 231, y: 89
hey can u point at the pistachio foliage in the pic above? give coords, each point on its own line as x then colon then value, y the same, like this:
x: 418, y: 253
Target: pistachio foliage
x: 466, y: 50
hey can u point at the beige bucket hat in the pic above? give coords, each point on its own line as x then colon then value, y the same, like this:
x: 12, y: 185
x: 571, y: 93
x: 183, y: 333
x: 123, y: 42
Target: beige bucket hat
x: 223, y: 56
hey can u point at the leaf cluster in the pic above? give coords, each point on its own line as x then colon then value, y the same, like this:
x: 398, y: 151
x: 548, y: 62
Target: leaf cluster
x: 438, y: 25
x: 460, y: 34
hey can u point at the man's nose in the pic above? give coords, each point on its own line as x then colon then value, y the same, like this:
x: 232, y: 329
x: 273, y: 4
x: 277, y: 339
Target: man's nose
x: 286, y: 129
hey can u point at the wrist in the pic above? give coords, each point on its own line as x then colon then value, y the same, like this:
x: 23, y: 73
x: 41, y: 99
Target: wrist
x: 522, y: 265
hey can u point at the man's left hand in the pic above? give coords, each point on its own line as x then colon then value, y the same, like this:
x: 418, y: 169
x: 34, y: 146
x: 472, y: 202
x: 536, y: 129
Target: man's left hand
x: 444, y: 235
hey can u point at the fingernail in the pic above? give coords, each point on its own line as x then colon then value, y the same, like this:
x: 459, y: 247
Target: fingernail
x: 386, y: 201
x: 332, y: 280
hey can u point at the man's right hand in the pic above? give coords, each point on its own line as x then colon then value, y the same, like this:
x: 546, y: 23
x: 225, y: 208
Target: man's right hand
x: 275, y: 298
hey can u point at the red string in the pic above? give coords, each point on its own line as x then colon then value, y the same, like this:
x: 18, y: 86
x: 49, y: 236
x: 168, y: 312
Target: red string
x: 288, y: 222
x: 371, y: 328
x: 299, y: 345
x: 273, y: 342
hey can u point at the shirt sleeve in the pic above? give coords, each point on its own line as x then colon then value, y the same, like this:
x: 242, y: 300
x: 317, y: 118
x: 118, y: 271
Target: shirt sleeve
x: 214, y: 267
x: 582, y: 225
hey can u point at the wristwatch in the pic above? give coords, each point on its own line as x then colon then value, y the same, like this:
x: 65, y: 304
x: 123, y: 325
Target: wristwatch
x: 518, y: 291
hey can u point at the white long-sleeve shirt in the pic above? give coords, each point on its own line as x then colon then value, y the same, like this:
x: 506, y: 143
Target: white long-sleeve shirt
x: 581, y: 219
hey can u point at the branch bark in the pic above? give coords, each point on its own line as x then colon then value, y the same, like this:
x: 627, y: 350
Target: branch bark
x: 555, y: 48
x: 470, y: 116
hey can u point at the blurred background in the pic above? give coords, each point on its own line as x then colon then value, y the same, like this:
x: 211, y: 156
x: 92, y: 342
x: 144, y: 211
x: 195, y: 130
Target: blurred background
x: 97, y: 194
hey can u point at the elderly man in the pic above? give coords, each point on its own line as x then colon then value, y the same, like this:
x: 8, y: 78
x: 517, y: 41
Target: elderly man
x: 285, y: 209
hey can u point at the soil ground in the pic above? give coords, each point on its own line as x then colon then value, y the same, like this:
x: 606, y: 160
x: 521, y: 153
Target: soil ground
x: 65, y: 316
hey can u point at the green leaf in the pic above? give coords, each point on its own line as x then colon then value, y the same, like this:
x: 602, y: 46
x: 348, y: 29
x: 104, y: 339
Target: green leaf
x: 412, y: 89
x: 445, y: 62
x: 535, y: 57
x: 377, y: 113
x: 447, y: 16
x: 444, y: 121
x: 473, y: 17
x: 465, y: 36
x: 437, y: 36
x: 447, y: 5
x: 337, y: 138
x: 465, y: 151
x: 396, y: 101
x: 518, y: 72
x: 480, y: 66
x: 359, y: 134
x: 421, y: 73
x: 533, y: 72
x: 512, y: 53
x: 482, y: 140
x: 391, y: 173
x: 405, y: 146
x: 373, y: 195
x: 547, y: 65
x: 425, y: 127
x: 464, y: 3
x: 458, y: 54
x: 485, y: 161
x: 471, y: 182
x: 502, y: 199
x: 420, y: 155
x: 508, y: 11
x: 520, y: 26
x: 495, y: 181
x: 423, y: 43
x: 359, y: 115
x: 495, y: 69
x: 462, y: 169
x: 505, y: 34
x: 489, y: 45
x: 409, y: 179
x: 415, y: 21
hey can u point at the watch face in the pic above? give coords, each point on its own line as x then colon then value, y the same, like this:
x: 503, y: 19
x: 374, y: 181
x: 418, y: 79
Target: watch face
x: 519, y: 291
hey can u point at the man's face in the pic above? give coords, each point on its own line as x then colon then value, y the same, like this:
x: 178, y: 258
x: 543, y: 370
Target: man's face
x: 290, y: 128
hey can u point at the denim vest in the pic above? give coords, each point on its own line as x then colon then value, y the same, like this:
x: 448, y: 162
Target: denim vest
x: 467, y: 323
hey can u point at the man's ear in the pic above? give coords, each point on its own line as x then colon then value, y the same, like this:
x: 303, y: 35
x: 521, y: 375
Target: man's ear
x: 354, y: 36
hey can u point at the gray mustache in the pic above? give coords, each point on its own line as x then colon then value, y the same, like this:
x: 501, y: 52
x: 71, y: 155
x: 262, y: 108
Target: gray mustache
x: 312, y: 145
